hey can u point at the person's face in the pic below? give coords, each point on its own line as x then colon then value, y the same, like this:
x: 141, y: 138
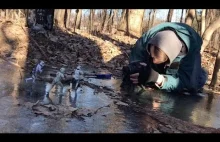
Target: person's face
x: 156, y: 58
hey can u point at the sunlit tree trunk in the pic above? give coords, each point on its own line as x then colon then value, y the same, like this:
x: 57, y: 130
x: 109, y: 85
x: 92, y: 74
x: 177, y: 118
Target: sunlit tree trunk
x: 132, y: 25
x: 208, y: 33
x: 214, y: 80
x: 203, y: 21
x: 190, y: 16
x: 79, y: 18
x: 59, y: 17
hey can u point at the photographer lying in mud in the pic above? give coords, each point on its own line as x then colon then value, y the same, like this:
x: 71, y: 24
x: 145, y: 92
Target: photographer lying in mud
x: 168, y: 57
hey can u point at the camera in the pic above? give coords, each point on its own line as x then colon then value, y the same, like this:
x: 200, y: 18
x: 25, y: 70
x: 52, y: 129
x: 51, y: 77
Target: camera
x: 132, y: 68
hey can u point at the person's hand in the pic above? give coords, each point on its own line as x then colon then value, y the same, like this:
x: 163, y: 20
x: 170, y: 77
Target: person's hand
x: 135, y: 77
x: 144, y: 76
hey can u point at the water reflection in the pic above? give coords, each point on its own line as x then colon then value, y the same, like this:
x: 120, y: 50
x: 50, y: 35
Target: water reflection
x: 198, y: 109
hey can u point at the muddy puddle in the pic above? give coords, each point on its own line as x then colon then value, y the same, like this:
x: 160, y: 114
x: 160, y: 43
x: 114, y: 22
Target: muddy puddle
x: 92, y: 109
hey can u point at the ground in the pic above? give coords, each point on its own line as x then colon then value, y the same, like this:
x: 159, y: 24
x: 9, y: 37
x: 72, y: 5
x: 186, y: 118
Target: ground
x: 100, y: 106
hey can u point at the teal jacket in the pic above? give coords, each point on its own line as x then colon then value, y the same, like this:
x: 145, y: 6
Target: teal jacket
x: 179, y: 78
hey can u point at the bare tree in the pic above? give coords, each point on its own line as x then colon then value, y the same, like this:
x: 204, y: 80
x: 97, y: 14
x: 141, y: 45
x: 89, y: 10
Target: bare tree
x: 59, y: 17
x: 198, y: 21
x: 131, y: 22
x: 26, y: 17
x: 122, y: 23
x: 148, y: 25
x: 181, y: 18
x: 190, y: 16
x: 7, y: 14
x: 79, y: 18
x: 67, y: 18
x: 77, y: 21
x: 135, y: 19
x: 210, y: 16
x: 104, y: 20
x: 91, y: 17
x: 169, y: 15
x: 203, y: 21
x: 214, y: 80
x: 208, y: 33
x: 114, y: 20
x: 153, y: 17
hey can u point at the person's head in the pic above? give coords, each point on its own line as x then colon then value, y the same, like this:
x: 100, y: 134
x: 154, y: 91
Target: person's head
x: 164, y: 47
x: 158, y: 56
x: 62, y: 70
x: 42, y: 63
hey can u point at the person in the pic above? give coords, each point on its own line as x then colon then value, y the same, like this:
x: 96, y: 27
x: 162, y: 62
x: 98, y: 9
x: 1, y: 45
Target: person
x: 36, y: 72
x: 57, y: 81
x: 169, y: 55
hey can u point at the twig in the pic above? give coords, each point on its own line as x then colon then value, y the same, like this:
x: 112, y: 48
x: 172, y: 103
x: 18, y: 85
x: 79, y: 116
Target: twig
x: 39, y: 47
x: 100, y: 108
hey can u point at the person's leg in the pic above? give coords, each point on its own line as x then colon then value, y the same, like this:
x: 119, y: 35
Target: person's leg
x: 199, y: 76
x: 202, y: 78
x: 61, y: 87
x: 49, y: 88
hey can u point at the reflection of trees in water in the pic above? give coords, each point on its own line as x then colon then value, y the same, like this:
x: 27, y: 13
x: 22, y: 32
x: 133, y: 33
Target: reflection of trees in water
x: 205, y: 111
x: 196, y: 109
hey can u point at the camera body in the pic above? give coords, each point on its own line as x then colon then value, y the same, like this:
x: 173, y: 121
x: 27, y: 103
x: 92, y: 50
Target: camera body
x: 132, y: 68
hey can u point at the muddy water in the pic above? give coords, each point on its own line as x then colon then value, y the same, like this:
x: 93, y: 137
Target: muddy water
x: 201, y: 109
x: 16, y: 117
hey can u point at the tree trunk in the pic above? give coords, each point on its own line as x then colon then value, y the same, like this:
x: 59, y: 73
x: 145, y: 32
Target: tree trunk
x: 190, y: 16
x: 67, y: 18
x: 148, y: 24
x: 114, y: 19
x: 7, y: 14
x: 169, y: 16
x: 210, y: 16
x: 91, y: 18
x: 79, y: 18
x: 132, y: 25
x: 104, y: 20
x: 214, y: 80
x: 2, y: 13
x: 75, y: 19
x: 208, y: 33
x: 203, y: 21
x: 122, y: 23
x: 181, y: 19
x: 153, y: 17
x: 49, y: 17
x: 127, y: 16
x: 110, y: 20
x: 59, y: 17
x: 26, y: 17
x: 198, y: 23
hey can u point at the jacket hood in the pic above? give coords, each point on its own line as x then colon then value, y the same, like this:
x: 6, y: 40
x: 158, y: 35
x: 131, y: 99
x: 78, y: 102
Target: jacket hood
x: 168, y: 42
